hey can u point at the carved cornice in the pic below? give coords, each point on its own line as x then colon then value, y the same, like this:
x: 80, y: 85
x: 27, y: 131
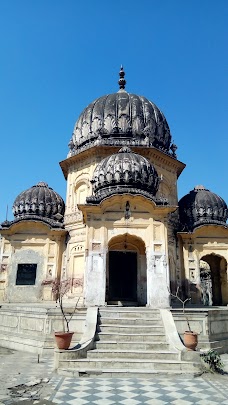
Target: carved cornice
x: 99, y: 208
x: 189, y: 234
x: 73, y: 217
x: 112, y: 191
x: 156, y: 156
x: 32, y: 218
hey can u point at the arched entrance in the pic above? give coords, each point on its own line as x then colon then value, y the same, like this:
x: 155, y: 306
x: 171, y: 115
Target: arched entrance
x: 213, y: 277
x: 126, y: 276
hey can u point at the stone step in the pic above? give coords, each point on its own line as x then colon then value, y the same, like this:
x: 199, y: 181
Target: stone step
x: 117, y: 328
x: 121, y: 372
x: 133, y: 337
x: 130, y: 342
x: 127, y: 313
x: 123, y: 363
x: 128, y: 308
x: 120, y: 304
x: 133, y: 345
x: 132, y: 354
x: 129, y: 321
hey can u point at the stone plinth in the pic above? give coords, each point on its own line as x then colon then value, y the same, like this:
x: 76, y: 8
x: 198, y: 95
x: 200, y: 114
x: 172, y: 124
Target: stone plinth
x: 211, y: 324
x: 31, y: 327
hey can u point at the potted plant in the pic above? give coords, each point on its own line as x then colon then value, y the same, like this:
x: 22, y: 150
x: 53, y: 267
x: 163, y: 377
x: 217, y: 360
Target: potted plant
x: 59, y: 289
x: 190, y: 337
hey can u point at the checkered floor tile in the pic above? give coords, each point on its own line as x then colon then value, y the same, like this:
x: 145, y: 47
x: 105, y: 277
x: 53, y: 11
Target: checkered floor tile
x: 157, y: 391
x: 19, y: 368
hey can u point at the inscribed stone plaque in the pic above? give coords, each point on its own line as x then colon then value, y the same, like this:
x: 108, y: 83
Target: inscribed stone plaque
x: 26, y: 274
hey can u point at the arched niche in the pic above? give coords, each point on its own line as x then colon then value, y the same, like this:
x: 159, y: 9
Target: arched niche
x: 81, y: 191
x: 165, y: 190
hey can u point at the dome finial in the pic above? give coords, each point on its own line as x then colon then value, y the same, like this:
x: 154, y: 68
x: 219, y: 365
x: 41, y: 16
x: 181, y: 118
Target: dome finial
x: 122, y: 81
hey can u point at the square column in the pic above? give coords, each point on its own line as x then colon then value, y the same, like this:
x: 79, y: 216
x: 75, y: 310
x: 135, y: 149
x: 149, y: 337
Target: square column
x: 157, y: 280
x: 95, y: 279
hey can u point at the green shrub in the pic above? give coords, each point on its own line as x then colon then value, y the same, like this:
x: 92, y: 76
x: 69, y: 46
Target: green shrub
x: 212, y: 357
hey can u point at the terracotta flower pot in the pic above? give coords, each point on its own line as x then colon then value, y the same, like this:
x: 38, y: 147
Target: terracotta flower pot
x: 63, y: 339
x: 190, y: 340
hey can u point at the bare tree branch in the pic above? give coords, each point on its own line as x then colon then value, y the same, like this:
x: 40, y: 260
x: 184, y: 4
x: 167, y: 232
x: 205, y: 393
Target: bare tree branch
x: 183, y: 302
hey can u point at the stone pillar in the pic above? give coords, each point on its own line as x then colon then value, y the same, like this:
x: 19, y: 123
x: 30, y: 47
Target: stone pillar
x: 157, y: 280
x: 95, y: 279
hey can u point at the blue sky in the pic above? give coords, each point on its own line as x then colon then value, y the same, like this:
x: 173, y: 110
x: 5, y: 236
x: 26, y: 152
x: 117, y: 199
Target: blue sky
x: 58, y: 56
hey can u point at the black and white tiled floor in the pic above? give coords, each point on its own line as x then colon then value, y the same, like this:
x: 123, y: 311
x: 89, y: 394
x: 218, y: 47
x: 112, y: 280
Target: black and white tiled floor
x: 21, y: 368
x: 133, y: 391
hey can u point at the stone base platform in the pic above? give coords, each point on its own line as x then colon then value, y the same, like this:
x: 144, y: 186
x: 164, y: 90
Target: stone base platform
x: 31, y: 327
x: 211, y: 324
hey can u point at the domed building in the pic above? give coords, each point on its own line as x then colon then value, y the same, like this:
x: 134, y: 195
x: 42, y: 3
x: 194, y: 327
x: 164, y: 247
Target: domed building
x: 203, y: 233
x: 40, y: 202
x: 122, y: 237
x: 33, y: 244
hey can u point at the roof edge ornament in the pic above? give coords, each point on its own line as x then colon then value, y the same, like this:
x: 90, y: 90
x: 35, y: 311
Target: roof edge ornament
x: 200, y: 187
x: 42, y: 184
x: 125, y: 149
x: 122, y: 82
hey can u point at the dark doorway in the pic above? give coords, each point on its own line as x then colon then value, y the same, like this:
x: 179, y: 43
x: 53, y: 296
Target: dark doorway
x: 122, y: 276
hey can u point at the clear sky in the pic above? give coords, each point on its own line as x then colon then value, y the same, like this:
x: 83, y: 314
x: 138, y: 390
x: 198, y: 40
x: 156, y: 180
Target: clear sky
x: 57, y: 56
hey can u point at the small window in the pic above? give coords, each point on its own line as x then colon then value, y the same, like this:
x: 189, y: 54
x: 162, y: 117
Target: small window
x: 26, y: 274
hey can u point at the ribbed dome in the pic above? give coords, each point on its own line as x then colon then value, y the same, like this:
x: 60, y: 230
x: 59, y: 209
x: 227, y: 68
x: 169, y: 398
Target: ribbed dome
x: 121, y: 119
x: 201, y: 207
x: 39, y: 200
x: 124, y: 172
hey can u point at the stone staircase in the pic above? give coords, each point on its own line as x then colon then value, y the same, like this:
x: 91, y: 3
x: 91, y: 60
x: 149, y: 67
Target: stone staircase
x: 130, y: 341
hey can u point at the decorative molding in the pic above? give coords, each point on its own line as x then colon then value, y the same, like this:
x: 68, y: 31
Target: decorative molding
x: 95, y: 152
x: 35, y: 218
x: 96, y: 246
x: 3, y: 267
x: 73, y: 217
x: 111, y: 191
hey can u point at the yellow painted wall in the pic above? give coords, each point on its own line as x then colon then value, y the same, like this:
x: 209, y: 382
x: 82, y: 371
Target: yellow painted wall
x: 31, y: 242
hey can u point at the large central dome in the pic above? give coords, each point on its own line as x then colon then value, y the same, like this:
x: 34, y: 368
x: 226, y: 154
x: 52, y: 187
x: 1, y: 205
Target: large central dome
x: 121, y: 119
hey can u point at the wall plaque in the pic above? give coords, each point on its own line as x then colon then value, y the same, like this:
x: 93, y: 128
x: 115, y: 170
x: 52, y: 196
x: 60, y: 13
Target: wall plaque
x: 26, y: 274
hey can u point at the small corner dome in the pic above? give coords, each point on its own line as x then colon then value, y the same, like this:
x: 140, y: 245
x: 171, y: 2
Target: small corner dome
x: 121, y: 119
x: 39, y: 200
x: 127, y: 172
x: 201, y: 207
